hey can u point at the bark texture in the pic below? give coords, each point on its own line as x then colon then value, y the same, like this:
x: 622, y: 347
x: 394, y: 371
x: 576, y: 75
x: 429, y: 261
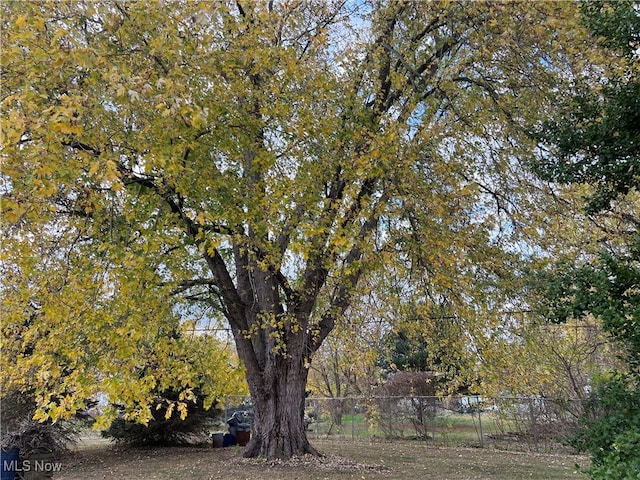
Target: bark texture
x: 279, y: 430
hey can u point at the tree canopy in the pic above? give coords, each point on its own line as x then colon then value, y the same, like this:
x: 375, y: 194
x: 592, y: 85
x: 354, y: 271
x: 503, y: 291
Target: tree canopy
x: 595, y: 140
x: 253, y: 163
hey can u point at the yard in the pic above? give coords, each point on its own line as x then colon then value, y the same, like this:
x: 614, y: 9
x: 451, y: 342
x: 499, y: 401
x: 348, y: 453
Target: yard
x: 97, y: 459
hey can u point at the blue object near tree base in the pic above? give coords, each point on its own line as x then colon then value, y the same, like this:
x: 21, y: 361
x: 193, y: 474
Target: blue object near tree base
x: 8, y: 462
x: 228, y: 440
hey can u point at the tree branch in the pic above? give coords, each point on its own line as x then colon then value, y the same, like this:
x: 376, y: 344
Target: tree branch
x: 345, y: 290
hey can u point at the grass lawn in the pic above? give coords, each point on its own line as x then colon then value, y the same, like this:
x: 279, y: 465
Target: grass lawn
x: 96, y: 459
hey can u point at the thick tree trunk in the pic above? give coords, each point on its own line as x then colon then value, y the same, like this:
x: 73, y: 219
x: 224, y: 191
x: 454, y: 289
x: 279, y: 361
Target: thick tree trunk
x: 278, y: 430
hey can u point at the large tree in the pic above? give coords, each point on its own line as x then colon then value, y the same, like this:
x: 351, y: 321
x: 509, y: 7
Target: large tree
x: 595, y: 141
x: 258, y: 159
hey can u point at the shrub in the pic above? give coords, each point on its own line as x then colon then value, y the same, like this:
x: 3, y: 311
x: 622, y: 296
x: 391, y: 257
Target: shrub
x: 621, y: 461
x: 610, y: 430
x: 30, y: 436
x: 33, y: 437
x: 161, y: 431
x: 407, y: 395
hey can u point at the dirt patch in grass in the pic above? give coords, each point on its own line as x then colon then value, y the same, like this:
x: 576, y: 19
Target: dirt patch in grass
x: 342, y: 460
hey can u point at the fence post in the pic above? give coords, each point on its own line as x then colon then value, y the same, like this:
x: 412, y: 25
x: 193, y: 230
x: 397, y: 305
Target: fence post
x: 353, y: 414
x: 433, y: 420
x: 391, y: 413
x: 315, y: 402
x: 480, y: 434
x: 534, y: 427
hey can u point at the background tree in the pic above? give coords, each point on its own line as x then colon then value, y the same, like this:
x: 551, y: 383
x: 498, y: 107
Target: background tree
x: 596, y: 140
x: 556, y: 361
x: 260, y: 159
x: 431, y: 340
x: 345, y: 365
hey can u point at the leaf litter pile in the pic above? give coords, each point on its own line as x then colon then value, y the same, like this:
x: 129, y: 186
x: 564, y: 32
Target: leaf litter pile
x: 324, y: 462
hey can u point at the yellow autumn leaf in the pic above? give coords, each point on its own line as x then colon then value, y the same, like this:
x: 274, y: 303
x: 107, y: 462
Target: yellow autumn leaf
x: 276, y: 193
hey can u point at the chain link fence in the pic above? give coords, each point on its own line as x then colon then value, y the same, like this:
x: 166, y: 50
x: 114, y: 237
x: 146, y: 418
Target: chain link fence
x: 508, y: 423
